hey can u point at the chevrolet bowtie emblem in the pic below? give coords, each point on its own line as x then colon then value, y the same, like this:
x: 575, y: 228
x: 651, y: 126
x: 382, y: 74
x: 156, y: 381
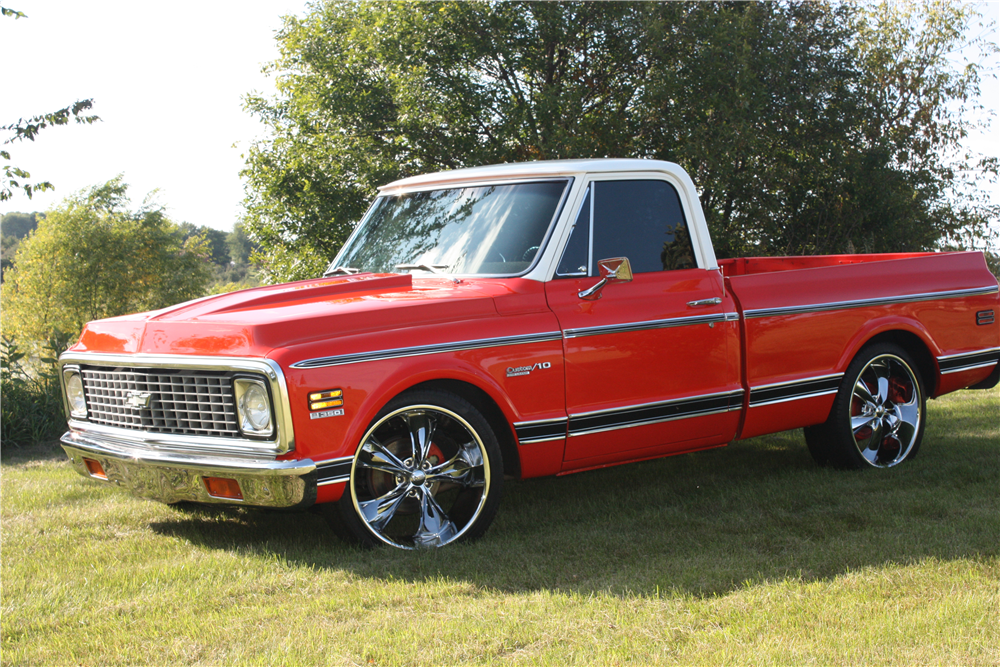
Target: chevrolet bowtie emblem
x: 138, y: 399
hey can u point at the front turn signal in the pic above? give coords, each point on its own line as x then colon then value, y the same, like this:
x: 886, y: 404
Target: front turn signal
x: 223, y: 487
x: 95, y: 469
x: 331, y: 398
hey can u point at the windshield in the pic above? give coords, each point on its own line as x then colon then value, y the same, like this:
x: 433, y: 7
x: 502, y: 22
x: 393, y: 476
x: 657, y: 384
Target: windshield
x: 489, y: 229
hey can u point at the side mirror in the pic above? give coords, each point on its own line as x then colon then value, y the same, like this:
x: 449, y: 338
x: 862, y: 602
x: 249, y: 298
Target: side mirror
x: 616, y: 269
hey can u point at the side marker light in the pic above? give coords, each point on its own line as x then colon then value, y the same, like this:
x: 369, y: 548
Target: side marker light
x: 223, y: 487
x: 95, y: 468
x: 322, y: 400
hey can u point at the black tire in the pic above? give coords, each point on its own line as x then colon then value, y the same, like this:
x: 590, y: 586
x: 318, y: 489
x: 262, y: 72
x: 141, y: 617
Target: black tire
x: 427, y: 473
x: 878, y: 417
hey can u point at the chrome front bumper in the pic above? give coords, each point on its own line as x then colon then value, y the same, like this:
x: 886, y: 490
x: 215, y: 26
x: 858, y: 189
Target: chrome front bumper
x: 172, y: 477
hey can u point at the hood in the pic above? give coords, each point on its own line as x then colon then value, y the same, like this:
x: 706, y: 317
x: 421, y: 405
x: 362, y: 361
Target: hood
x: 252, y: 322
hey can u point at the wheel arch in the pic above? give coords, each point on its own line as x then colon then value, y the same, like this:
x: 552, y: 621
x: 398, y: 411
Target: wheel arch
x: 915, y: 346
x: 483, y: 402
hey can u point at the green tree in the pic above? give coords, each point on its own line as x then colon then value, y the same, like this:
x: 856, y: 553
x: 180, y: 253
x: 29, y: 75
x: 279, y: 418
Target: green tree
x: 820, y: 129
x: 18, y: 225
x: 809, y: 127
x: 93, y: 257
x: 241, y: 247
x: 8, y: 248
x: 229, y: 253
x: 369, y: 92
x: 216, y: 238
x: 13, y: 227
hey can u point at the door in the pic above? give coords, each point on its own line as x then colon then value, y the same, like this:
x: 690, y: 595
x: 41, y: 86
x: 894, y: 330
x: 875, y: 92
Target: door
x: 652, y: 364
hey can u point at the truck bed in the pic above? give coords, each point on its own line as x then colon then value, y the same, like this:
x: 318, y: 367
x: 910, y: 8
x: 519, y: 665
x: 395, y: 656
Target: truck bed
x: 743, y: 266
x: 804, y: 318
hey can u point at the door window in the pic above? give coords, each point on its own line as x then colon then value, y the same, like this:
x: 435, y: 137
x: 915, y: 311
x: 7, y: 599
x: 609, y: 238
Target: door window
x: 576, y: 257
x: 642, y: 220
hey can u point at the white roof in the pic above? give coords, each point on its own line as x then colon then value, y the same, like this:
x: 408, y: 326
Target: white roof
x: 581, y: 170
x: 519, y: 170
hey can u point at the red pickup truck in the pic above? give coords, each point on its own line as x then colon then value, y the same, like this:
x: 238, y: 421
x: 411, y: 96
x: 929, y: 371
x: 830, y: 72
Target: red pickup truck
x: 519, y: 320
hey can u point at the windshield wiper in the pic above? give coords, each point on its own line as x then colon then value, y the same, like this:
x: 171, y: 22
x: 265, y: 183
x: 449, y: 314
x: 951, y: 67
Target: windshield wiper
x: 432, y: 268
x: 346, y: 270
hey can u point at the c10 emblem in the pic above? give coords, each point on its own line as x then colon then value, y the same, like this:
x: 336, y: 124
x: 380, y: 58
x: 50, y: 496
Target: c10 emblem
x: 515, y: 371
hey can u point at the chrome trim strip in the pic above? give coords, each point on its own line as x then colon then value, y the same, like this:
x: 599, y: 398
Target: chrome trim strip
x: 799, y: 381
x: 967, y: 361
x: 173, y: 442
x: 732, y: 317
x: 534, y: 441
x: 798, y: 397
x: 654, y: 413
x: 985, y: 350
x: 198, y: 461
x: 650, y: 324
x: 863, y: 303
x: 420, y: 350
x: 334, y: 471
x: 968, y: 368
x: 556, y: 420
x: 794, y: 390
x: 283, y: 442
x: 327, y: 462
x: 543, y: 430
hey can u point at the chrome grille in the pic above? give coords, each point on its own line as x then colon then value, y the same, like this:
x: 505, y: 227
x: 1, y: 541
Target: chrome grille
x: 162, y: 400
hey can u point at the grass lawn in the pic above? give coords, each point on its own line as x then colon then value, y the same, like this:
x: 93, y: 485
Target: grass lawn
x: 748, y: 554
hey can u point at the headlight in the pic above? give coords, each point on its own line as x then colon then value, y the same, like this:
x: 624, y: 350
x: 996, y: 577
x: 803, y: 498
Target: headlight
x: 74, y: 393
x: 254, y: 407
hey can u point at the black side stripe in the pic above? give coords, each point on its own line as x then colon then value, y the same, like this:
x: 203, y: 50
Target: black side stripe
x: 609, y: 420
x: 790, y: 391
x: 961, y: 362
x: 540, y: 431
x: 337, y: 470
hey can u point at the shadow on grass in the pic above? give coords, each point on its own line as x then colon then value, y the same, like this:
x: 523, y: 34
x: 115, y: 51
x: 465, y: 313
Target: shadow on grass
x: 699, y: 524
x: 47, y: 451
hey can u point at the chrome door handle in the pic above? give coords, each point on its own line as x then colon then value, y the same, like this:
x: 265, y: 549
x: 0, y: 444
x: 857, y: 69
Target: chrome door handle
x: 705, y: 302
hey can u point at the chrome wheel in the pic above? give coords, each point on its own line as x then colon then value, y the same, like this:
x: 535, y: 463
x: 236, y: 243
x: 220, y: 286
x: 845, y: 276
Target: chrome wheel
x: 886, y: 406
x: 422, y: 476
x: 877, y: 419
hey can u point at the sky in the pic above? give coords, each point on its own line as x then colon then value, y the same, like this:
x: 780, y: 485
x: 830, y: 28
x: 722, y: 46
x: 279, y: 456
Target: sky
x: 168, y: 80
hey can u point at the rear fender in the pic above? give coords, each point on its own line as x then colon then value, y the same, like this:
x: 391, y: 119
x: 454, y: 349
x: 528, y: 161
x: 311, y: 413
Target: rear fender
x: 908, y: 333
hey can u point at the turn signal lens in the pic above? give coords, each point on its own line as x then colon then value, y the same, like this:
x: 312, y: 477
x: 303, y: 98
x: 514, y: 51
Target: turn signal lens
x: 326, y: 404
x: 321, y: 400
x: 320, y: 395
x: 95, y: 469
x: 223, y: 487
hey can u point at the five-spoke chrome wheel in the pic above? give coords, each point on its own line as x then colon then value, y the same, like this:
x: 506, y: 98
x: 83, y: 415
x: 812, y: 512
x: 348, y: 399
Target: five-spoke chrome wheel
x: 427, y: 473
x: 878, y: 416
x: 886, y: 408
